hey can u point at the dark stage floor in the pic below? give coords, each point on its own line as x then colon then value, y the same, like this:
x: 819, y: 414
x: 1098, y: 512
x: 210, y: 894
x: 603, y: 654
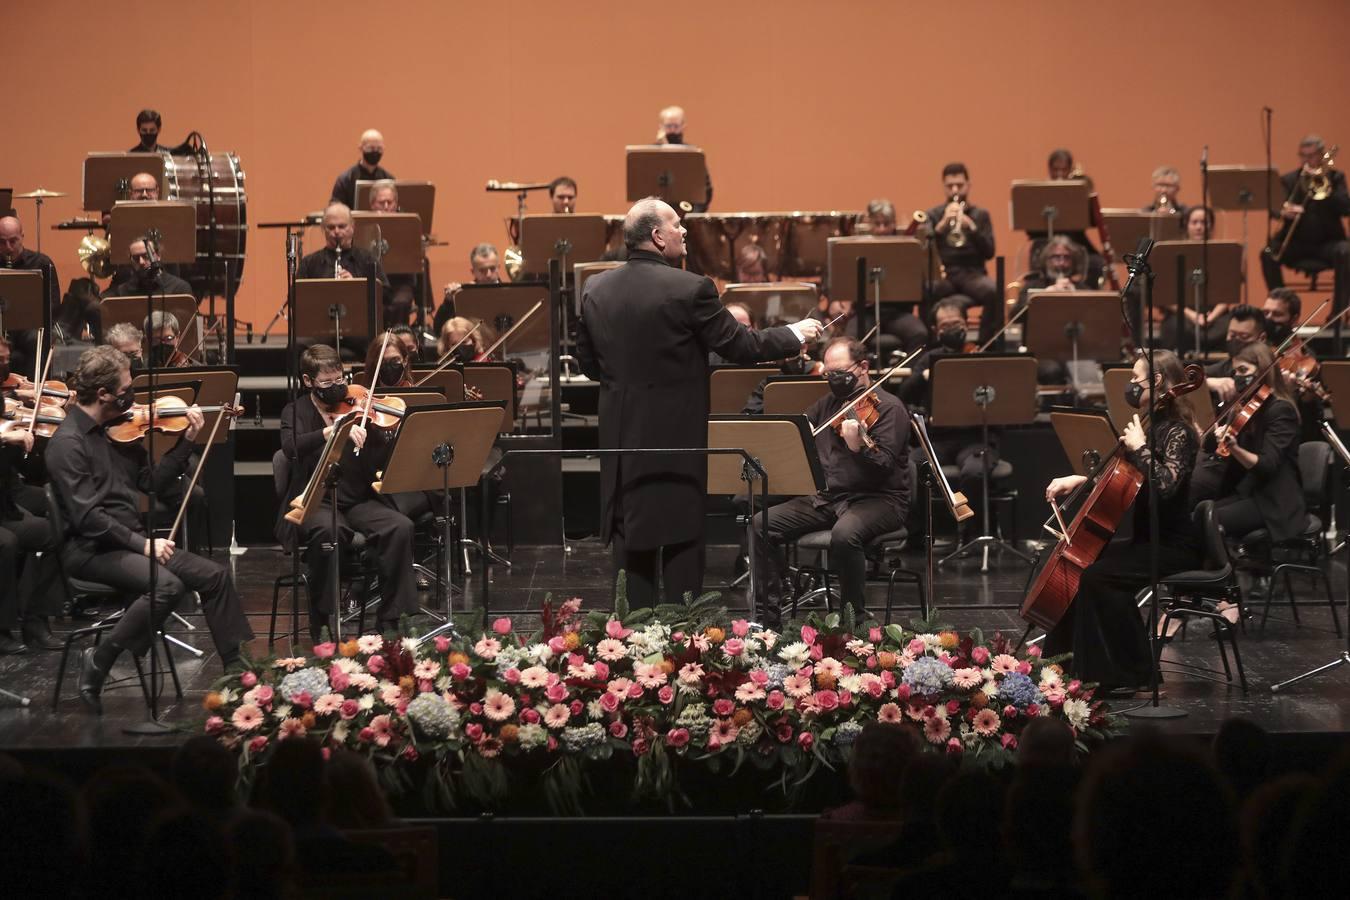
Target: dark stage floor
x: 1319, y: 706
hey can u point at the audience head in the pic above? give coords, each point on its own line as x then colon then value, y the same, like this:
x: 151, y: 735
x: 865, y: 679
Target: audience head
x: 562, y: 191
x: 42, y: 831
x: 264, y: 855
x: 356, y: 799
x: 1242, y: 753
x: 880, y: 754
x: 1046, y: 742
x: 123, y: 805
x: 184, y: 856
x: 293, y: 784
x: 206, y: 773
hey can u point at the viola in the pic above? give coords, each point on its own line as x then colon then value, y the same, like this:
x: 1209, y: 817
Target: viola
x: 1244, y: 415
x: 385, y: 412
x: 1095, y: 524
x: 169, y: 417
x: 865, y: 413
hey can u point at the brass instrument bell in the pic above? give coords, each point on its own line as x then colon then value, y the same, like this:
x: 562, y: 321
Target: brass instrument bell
x: 95, y: 256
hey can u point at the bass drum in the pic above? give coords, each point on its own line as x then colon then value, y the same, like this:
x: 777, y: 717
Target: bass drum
x: 202, y: 179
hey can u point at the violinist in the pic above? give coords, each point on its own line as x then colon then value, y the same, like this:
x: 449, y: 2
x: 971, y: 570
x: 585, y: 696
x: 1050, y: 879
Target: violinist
x: 1246, y: 325
x: 1102, y: 626
x: 959, y: 446
x: 145, y: 277
x: 98, y: 484
x: 1283, y: 309
x: 965, y: 242
x: 1250, y: 464
x: 128, y: 339
x: 306, y: 424
x: 867, y: 483
x: 455, y: 330
x: 30, y: 585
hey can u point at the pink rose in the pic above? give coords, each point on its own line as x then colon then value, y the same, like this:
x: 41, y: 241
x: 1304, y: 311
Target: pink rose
x: 525, y: 699
x: 474, y: 732
x: 410, y: 753
x: 576, y: 659
x: 827, y: 700
x: 917, y: 647
x: 805, y: 740
x: 759, y: 677
x: 1034, y: 651
x: 618, y: 729
x: 677, y: 737
x: 366, y: 735
x: 954, y: 746
x: 1033, y: 710
x: 666, y: 694
x: 556, y: 693
x: 552, y: 744
x: 338, y: 679
x: 979, y: 656
x: 511, y: 676
x: 677, y: 637
x: 460, y: 671
x: 723, y: 707
x: 325, y: 650
x: 557, y: 645
x: 601, y: 670
x: 888, y: 678
x: 953, y: 707
x: 740, y: 628
x: 303, y: 700
x: 1009, y: 742
x: 576, y: 706
x: 872, y: 662
x: 1024, y: 667
x: 845, y: 698
x: 902, y: 692
x: 875, y: 689
x: 502, y: 626
x: 1009, y: 712
x: 874, y: 635
x: 774, y: 700
x: 809, y: 634
x: 215, y: 725
x: 530, y: 716
x: 248, y: 679
x: 349, y: 709
x: 783, y: 731
x: 634, y: 691
x: 640, y: 746
x: 263, y: 695
x: 257, y: 744
x: 402, y: 706
x: 734, y: 646
x: 475, y: 709
x: 817, y: 652
x: 375, y: 665
x: 442, y: 644
x: 608, y: 702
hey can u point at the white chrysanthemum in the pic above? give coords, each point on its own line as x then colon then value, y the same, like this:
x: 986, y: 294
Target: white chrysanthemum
x: 531, y: 736
x: 340, y: 733
x: 350, y: 666
x: 594, y: 710
x: 796, y: 654
x: 1076, y: 711
x: 228, y: 695
x: 282, y: 712
x: 830, y: 666
x: 410, y: 644
x: 366, y: 702
x: 931, y: 642
x: 540, y: 653
x: 767, y: 638
x: 851, y: 683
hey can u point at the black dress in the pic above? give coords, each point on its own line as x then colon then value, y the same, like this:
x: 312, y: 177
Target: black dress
x: 1103, y: 627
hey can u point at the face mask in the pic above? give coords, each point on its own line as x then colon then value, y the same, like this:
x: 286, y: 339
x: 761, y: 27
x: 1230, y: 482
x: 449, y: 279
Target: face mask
x: 1234, y: 347
x: 1277, y: 333
x: 465, y: 353
x: 391, y: 373
x: 841, y: 382
x: 137, y: 363
x: 372, y: 157
x: 1242, y: 382
x: 161, y: 352
x: 124, y: 400
x: 674, y: 138
x: 1134, y: 395
x: 331, y: 395
x: 952, y: 339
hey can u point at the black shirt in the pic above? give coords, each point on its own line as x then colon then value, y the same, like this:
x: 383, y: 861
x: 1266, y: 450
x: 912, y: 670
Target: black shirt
x: 99, y: 483
x: 880, y: 471
x: 33, y: 261
x: 322, y: 264
x: 158, y: 148
x: 1177, y: 445
x: 136, y: 286
x: 1321, y: 220
x: 979, y: 244
x: 344, y: 188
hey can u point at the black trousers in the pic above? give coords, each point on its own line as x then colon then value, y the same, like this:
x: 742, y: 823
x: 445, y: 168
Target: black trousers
x: 1238, y: 516
x: 852, y: 525
x: 185, y: 571
x: 29, y: 585
x: 672, y: 570
x: 390, y: 532
x: 1104, y: 628
x: 980, y: 288
x: 1335, y: 254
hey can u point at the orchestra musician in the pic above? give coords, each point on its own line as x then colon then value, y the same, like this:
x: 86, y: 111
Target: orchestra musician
x: 143, y: 186
x: 1060, y: 167
x: 367, y: 168
x: 13, y: 255
x: 1102, y: 627
x: 408, y: 337
x: 484, y: 267
x: 867, y: 483
x: 143, y: 278
x: 1198, y: 223
x: 398, y: 303
x: 1318, y: 234
x: 455, y: 329
x: 98, y: 485
x: 670, y: 130
x: 880, y: 217
x: 79, y: 316
x: 1061, y: 266
x: 30, y: 584
x: 350, y: 262
x: 645, y: 333
x: 148, y: 125
x: 965, y: 243
x: 562, y: 193
x: 130, y: 341
x: 962, y: 447
x: 752, y: 264
x: 1283, y: 309
x: 1246, y: 325
x: 306, y: 424
x: 1166, y: 193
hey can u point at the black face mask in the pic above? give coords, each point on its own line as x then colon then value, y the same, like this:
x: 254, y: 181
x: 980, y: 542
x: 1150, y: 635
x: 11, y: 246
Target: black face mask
x: 465, y: 353
x: 372, y: 157
x: 952, y: 339
x: 137, y: 363
x: 391, y: 373
x: 1242, y: 382
x: 1276, y: 333
x: 842, y: 382
x: 161, y: 354
x: 331, y: 395
x: 1234, y: 347
x: 674, y: 138
x: 124, y: 400
x: 1134, y: 394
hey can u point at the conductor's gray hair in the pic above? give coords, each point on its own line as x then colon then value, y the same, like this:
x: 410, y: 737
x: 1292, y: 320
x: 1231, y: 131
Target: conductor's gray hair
x: 641, y: 221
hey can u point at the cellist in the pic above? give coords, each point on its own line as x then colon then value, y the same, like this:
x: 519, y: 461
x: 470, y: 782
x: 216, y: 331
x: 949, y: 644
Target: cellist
x: 1102, y: 626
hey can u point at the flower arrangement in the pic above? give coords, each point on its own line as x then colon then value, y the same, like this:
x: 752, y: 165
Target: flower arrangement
x: 678, y: 685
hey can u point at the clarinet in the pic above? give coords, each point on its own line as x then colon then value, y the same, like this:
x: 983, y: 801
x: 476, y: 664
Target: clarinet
x: 337, y: 263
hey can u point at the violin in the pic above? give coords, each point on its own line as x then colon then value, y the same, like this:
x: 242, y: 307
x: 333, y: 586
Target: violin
x: 865, y: 413
x: 1244, y: 414
x: 44, y: 424
x: 1300, y: 366
x: 56, y: 390
x: 169, y: 417
x: 1084, y: 539
x: 385, y: 412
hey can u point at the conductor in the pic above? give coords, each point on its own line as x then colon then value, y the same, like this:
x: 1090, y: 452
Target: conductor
x: 645, y: 333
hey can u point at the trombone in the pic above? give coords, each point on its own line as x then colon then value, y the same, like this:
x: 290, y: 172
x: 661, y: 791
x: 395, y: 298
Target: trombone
x: 1316, y: 185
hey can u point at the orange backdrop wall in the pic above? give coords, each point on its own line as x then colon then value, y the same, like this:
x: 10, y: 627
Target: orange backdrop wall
x: 800, y: 104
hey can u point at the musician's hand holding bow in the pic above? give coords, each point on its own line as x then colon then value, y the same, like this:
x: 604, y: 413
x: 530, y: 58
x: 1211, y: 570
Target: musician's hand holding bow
x: 1061, y: 487
x: 195, y: 422
x: 358, y: 434
x: 1226, y: 388
x: 851, y: 431
x: 20, y: 437
x: 161, y: 547
x: 1133, y: 438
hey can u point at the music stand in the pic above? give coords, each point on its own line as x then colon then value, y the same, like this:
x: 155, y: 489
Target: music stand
x: 401, y: 253
x: 215, y: 386
x: 1244, y: 188
x: 438, y: 448
x: 563, y: 236
x: 896, y: 268
x: 323, y: 482
x: 1127, y: 226
x: 23, y: 301
x: 7, y: 206
x: 107, y: 176
x: 1086, y: 436
x: 677, y: 173
x: 1183, y: 263
x: 175, y: 220
x: 729, y: 387
x: 1117, y: 378
x: 114, y: 310
x: 341, y: 307
x: 497, y: 384
x: 450, y: 380
x: 984, y: 389
x: 790, y: 395
x: 781, y: 445
x: 582, y: 272
x: 774, y: 303
x: 1073, y: 325
x: 1049, y: 206
x: 956, y: 501
x: 501, y: 306
x: 415, y: 197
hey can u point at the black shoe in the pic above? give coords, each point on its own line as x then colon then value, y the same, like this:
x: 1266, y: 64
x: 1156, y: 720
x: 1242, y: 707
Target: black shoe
x: 37, y: 633
x: 91, y: 681
x: 9, y: 646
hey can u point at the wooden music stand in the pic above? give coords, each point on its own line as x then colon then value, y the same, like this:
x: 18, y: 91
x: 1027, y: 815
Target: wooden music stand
x: 1241, y: 187
x: 1224, y: 276
x: 416, y: 397
x: 107, y: 176
x: 898, y: 267
x: 6, y: 201
x: 450, y: 380
x: 729, y: 387
x: 402, y: 235
x: 582, y: 272
x: 175, y: 220
x: 1086, y: 436
x: 775, y: 303
x: 1117, y: 378
x: 501, y: 306
x: 415, y: 197
x: 213, y: 386
x: 497, y: 384
x: 337, y: 307
x: 183, y: 307
x: 1127, y: 226
x: 677, y: 173
x: 1051, y: 207
x: 1073, y: 325
x: 560, y: 236
x: 23, y: 303
x: 790, y: 395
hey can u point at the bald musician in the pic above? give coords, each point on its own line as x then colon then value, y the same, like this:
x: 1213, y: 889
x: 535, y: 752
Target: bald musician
x: 368, y: 168
x: 144, y: 186
x: 484, y: 267
x: 338, y: 258
x: 670, y: 130
x: 13, y: 255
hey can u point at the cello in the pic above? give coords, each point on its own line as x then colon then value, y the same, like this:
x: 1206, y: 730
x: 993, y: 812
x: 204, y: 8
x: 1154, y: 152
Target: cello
x: 1118, y: 484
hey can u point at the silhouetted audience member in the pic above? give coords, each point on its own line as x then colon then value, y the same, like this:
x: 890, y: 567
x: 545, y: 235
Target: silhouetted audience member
x: 967, y: 822
x: 880, y: 754
x: 1150, y: 792
x: 206, y: 773
x: 264, y: 855
x: 1046, y: 741
x: 123, y: 803
x: 41, y: 834
x: 1314, y: 864
x: 185, y: 856
x: 1267, y: 819
x: 1242, y: 754
x: 355, y: 799
x: 920, y: 784
x: 1037, y: 824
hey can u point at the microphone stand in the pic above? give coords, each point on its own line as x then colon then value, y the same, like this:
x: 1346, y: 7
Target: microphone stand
x: 1138, y: 266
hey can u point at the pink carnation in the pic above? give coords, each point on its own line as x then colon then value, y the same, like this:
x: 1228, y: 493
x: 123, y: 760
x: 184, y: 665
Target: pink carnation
x: 460, y: 671
x: 917, y: 647
x: 601, y: 670
x: 1009, y: 741
x: 473, y: 731
x: 502, y: 626
x: 740, y: 628
x: 556, y: 693
x: 954, y: 747
x: 325, y: 650
x: 979, y: 655
x: 248, y: 679
x: 338, y: 679
x: 723, y: 707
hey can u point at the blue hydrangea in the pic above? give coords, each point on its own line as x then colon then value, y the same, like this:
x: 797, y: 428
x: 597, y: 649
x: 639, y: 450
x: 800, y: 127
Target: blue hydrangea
x: 846, y: 733
x: 1019, y: 690
x: 777, y: 672
x: 927, y: 675
x: 432, y: 715
x: 311, y: 681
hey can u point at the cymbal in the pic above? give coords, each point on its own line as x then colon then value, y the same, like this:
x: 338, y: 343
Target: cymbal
x: 40, y: 193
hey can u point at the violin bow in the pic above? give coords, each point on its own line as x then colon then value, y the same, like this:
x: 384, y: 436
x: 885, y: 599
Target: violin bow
x: 370, y: 394
x: 881, y: 379
x: 41, y: 371
x: 1006, y: 325
x: 201, y: 461
x: 449, y: 356
x: 510, y: 331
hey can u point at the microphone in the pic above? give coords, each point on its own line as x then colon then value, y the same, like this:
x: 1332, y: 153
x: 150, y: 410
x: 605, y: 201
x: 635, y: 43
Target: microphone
x: 151, y: 241
x: 1204, y: 155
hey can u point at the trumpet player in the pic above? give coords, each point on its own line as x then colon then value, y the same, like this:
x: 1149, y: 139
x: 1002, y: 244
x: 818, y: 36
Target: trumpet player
x: 964, y: 236
x: 1166, y: 193
x: 1311, y: 229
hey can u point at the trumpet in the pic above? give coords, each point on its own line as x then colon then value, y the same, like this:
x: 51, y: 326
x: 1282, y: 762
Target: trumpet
x: 956, y: 237
x: 1164, y: 204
